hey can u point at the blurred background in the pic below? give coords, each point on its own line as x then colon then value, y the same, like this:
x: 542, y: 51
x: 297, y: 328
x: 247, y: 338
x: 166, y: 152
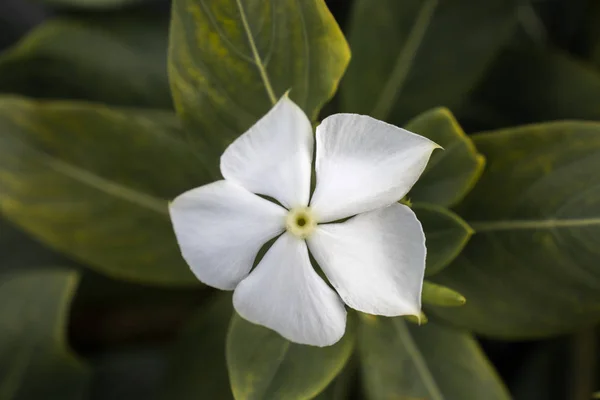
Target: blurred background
x: 550, y: 70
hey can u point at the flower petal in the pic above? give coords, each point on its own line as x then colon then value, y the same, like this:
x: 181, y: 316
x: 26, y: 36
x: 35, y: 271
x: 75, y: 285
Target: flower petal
x: 284, y: 293
x: 220, y: 227
x: 376, y: 260
x: 363, y: 164
x: 274, y: 156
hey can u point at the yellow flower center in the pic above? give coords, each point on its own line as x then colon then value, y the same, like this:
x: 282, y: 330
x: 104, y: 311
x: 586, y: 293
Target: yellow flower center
x: 301, y: 222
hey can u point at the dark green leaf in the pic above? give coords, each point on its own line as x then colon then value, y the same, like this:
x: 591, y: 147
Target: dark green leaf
x: 90, y: 4
x: 263, y: 365
x: 531, y: 269
x: 197, y: 366
x: 230, y: 60
x: 115, y: 60
x: 452, y: 171
x: 446, y: 235
x: 35, y: 362
x: 529, y: 84
x: 412, y: 55
x: 19, y: 251
x: 93, y: 182
x: 434, y: 362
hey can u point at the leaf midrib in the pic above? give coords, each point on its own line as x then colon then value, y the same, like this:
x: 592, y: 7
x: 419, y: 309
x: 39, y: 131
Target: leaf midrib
x: 102, y: 184
x: 404, y: 61
x: 257, y: 60
x: 418, y: 360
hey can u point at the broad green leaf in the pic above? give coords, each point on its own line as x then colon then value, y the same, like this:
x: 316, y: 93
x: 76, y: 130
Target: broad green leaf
x: 197, y: 367
x: 343, y: 385
x: 452, y: 171
x: 114, y: 60
x: 531, y: 269
x: 434, y: 362
x: 35, y: 362
x: 93, y: 182
x: 263, y: 365
x: 438, y: 295
x: 231, y: 60
x: 528, y: 84
x: 446, y: 234
x: 409, y: 56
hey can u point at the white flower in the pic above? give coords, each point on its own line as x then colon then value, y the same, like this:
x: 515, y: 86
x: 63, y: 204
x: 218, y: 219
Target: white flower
x: 375, y: 260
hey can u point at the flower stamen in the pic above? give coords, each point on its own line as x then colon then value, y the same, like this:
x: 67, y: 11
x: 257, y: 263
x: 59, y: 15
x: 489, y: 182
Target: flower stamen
x: 301, y: 222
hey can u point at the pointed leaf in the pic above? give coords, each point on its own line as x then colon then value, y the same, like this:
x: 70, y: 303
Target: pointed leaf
x: 532, y: 267
x: 446, y: 234
x: 451, y: 172
x: 412, y: 55
x: 115, y: 60
x: 438, y: 295
x: 93, y: 182
x: 432, y: 361
x: 263, y: 365
x: 230, y: 60
x: 35, y: 362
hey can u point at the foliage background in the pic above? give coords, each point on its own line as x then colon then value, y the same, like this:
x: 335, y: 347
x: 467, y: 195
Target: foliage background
x: 543, y: 65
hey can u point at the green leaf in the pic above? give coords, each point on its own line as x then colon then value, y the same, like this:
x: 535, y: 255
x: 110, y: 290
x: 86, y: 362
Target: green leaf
x: 446, y: 234
x: 93, y: 182
x: 434, y: 362
x: 528, y: 84
x: 438, y: 295
x: 114, y: 60
x: 197, y: 367
x: 531, y: 269
x: 35, y: 362
x: 451, y: 172
x: 230, y: 60
x: 342, y: 386
x: 263, y: 365
x: 412, y: 55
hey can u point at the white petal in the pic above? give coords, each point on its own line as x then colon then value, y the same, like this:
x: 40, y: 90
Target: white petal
x: 376, y: 260
x: 363, y: 164
x: 220, y: 227
x: 284, y: 293
x: 274, y: 156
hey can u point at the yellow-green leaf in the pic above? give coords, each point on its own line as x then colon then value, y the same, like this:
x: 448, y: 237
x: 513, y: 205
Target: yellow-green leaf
x: 35, y: 361
x: 434, y: 362
x: 412, y: 55
x: 438, y: 295
x: 531, y: 269
x: 230, y: 60
x: 452, y: 171
x: 94, y: 182
x: 263, y: 365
